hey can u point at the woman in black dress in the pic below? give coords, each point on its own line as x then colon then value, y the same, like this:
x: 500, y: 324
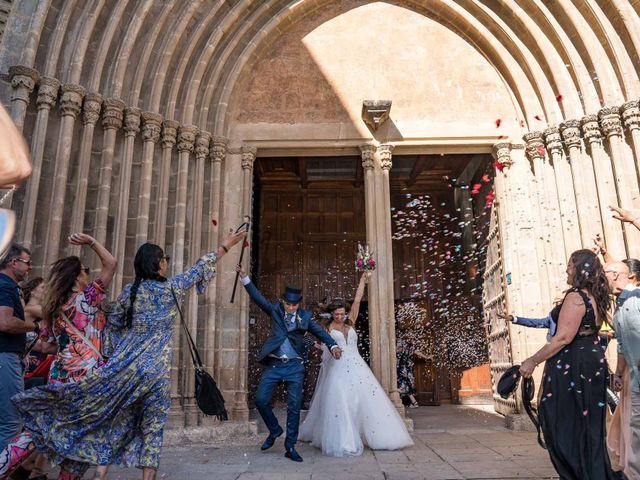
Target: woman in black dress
x: 572, y: 406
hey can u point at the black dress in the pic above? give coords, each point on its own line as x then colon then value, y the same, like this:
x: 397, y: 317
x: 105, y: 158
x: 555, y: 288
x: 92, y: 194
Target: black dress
x: 572, y: 406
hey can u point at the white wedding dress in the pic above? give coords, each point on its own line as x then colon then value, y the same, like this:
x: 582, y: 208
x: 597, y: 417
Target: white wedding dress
x: 349, y: 407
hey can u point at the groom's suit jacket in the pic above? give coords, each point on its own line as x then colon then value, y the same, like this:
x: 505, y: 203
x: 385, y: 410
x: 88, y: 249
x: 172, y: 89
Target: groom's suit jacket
x: 279, y: 331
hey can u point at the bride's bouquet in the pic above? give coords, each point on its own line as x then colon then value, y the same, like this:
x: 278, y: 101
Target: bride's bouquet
x: 364, y: 259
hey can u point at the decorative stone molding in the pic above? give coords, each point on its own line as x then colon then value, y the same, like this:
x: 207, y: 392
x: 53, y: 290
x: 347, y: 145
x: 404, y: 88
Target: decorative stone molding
x: 203, y: 139
x: 131, y: 121
x: 218, y: 149
x: 169, y: 133
x: 502, y: 153
x: 553, y: 140
x: 23, y: 80
x: 48, y: 89
x: 631, y: 114
x: 151, y: 126
x: 91, y: 108
x: 71, y: 99
x: 375, y: 112
x: 570, y: 131
x: 186, y: 138
x: 534, y: 148
x: 610, y: 121
x: 112, y: 113
x: 591, y: 128
x: 385, y: 150
x: 367, y: 151
x: 248, y: 155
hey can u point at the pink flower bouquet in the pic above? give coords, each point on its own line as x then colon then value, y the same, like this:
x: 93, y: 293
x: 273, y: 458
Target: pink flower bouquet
x: 364, y: 259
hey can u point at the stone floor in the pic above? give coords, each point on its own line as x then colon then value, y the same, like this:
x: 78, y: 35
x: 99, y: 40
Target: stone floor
x: 451, y: 442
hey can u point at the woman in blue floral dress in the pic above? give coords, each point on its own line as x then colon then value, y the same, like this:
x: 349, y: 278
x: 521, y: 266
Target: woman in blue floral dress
x: 116, y: 414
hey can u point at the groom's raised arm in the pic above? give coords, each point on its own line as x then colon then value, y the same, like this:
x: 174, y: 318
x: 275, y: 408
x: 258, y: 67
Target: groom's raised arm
x: 265, y: 305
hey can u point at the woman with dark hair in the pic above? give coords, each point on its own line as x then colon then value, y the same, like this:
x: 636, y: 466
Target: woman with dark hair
x: 349, y: 407
x: 572, y: 406
x: 119, y: 411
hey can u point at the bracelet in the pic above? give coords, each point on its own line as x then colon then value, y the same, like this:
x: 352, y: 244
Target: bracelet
x: 226, y: 250
x: 93, y: 242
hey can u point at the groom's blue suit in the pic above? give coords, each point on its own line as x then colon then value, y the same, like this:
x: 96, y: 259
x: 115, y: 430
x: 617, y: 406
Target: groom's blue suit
x: 292, y: 371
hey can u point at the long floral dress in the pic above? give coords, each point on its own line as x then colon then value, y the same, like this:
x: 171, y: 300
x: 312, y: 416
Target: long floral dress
x: 116, y: 414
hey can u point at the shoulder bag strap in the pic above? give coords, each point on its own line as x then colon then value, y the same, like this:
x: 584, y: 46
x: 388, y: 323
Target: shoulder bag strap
x: 195, y: 356
x: 77, y: 332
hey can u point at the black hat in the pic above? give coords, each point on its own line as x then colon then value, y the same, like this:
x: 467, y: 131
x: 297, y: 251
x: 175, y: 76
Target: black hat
x: 292, y: 294
x: 509, y: 381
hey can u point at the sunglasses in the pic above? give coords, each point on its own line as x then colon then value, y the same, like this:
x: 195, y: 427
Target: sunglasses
x: 26, y: 262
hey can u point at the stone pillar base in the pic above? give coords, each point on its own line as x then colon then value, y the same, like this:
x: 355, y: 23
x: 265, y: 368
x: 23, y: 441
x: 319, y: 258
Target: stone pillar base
x: 215, y: 433
x: 519, y: 422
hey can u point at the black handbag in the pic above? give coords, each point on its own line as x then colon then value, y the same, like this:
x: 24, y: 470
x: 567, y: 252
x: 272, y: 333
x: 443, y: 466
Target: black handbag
x: 208, y: 396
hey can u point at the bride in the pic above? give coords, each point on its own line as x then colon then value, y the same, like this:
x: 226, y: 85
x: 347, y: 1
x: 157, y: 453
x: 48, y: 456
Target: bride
x: 349, y: 407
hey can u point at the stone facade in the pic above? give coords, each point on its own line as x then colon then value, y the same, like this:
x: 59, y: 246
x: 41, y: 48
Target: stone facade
x: 145, y: 120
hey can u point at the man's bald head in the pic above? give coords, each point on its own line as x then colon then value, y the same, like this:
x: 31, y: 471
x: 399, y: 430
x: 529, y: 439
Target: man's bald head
x: 618, y: 275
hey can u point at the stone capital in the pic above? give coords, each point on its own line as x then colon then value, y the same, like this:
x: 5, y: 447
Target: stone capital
x: 553, y: 140
x: 534, y: 145
x: 186, y: 138
x: 203, y: 139
x: 591, y: 128
x: 151, y: 126
x: 368, y: 152
x: 48, y: 89
x: 23, y: 80
x: 502, y: 152
x: 610, y: 121
x: 112, y: 113
x: 248, y: 156
x: 131, y: 121
x: 384, y: 151
x: 631, y: 114
x: 218, y: 149
x: 91, y: 108
x: 71, y: 99
x: 570, y: 131
x: 169, y: 133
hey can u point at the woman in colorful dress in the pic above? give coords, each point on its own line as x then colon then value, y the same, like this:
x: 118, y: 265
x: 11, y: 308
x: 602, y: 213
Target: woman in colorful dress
x: 572, y: 406
x: 116, y: 414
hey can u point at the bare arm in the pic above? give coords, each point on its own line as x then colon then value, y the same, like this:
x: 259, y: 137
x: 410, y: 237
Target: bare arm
x: 355, y: 307
x: 600, y: 248
x: 33, y: 311
x: 11, y: 324
x: 109, y: 263
x: 571, y: 313
x: 625, y: 216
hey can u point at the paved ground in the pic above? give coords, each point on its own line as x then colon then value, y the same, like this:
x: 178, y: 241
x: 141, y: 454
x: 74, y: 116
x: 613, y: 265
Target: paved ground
x: 451, y: 442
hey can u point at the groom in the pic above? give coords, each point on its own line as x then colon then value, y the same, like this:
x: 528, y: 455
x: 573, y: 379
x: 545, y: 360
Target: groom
x: 282, y: 355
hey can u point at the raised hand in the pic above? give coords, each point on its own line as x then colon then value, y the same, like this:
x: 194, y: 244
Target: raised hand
x: 233, y: 238
x: 81, y: 239
x: 622, y: 214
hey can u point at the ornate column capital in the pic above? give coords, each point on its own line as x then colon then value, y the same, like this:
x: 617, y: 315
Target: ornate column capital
x: 151, y: 126
x: 367, y: 151
x: 169, y: 133
x: 186, y: 138
x: 203, y: 139
x: 534, y: 148
x: 71, y: 99
x: 501, y: 152
x: 23, y: 80
x: 218, y: 149
x: 631, y: 114
x: 553, y: 140
x: 91, y: 108
x: 384, y: 151
x: 131, y: 121
x: 48, y: 89
x: 570, y: 131
x: 591, y: 128
x: 112, y: 113
x: 248, y: 156
x: 610, y: 121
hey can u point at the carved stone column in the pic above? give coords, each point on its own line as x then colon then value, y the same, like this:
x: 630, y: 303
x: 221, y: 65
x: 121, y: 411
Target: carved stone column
x: 584, y: 182
x: 168, y: 140
x: 606, y: 186
x: 90, y: 115
x: 47, y: 95
x: 112, y: 116
x: 630, y: 112
x: 151, y: 126
x: 70, y: 104
x: 565, y: 193
x: 626, y: 177
x: 131, y: 129
x: 23, y: 80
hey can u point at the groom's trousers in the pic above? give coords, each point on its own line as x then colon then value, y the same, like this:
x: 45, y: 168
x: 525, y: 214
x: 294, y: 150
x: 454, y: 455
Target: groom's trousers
x: 292, y: 374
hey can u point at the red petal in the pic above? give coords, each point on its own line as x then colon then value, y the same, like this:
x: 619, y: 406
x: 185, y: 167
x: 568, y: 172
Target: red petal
x: 498, y: 122
x: 215, y: 223
x: 558, y: 98
x: 541, y: 150
x: 245, y: 244
x: 501, y: 137
x: 477, y: 186
x: 486, y: 178
x: 537, y: 117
